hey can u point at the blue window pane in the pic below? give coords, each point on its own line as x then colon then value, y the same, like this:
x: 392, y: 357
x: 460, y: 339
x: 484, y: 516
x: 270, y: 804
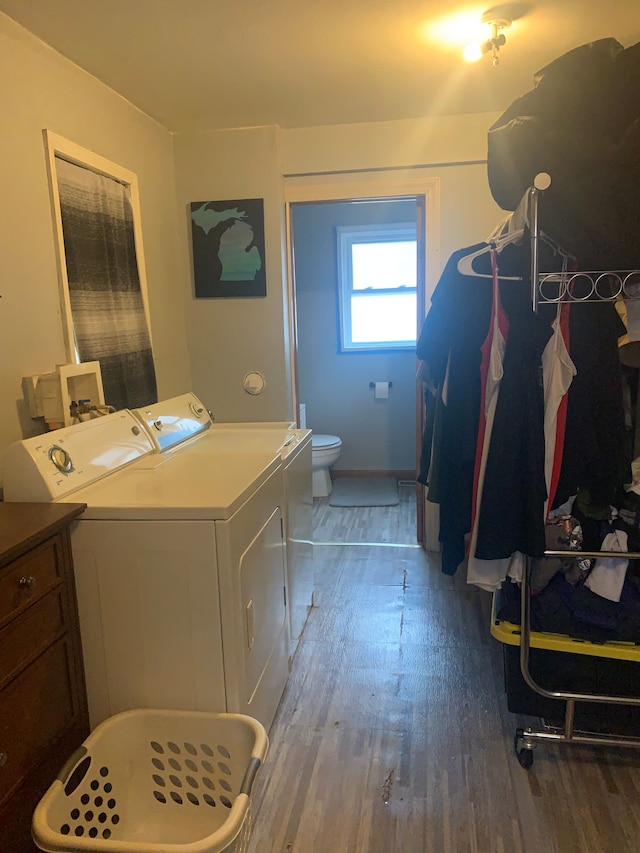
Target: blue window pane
x: 383, y: 318
x: 383, y: 265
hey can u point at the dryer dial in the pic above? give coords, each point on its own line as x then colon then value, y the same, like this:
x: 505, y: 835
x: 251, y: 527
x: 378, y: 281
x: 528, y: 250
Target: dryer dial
x: 61, y: 459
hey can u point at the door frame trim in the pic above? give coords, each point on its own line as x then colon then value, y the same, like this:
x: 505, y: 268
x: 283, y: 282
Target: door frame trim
x: 407, y: 183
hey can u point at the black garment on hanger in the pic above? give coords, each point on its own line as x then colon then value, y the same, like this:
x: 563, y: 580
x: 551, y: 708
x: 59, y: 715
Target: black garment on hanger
x: 511, y: 514
x: 596, y: 453
x: 451, y: 337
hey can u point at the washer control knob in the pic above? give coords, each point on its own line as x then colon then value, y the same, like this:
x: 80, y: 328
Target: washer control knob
x: 158, y: 424
x: 61, y: 459
x: 198, y: 411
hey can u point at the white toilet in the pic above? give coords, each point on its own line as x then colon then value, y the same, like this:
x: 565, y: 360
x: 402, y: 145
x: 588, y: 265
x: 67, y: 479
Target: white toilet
x: 325, y: 450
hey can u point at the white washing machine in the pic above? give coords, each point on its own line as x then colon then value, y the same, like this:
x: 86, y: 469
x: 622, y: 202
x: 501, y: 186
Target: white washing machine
x: 179, y: 562
x: 185, y: 417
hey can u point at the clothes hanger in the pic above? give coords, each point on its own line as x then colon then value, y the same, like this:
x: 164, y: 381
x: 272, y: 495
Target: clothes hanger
x: 465, y: 264
x: 511, y: 229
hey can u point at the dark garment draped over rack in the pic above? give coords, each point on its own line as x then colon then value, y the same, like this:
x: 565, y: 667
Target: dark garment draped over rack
x: 581, y: 124
x: 450, y: 344
x: 596, y: 459
x: 512, y: 509
x: 596, y: 455
x: 458, y: 303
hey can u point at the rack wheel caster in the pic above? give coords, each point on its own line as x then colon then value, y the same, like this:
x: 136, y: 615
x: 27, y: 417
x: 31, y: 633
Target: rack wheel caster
x: 524, y: 754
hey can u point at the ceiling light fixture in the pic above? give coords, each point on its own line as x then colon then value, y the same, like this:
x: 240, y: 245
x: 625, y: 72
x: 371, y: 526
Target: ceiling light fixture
x: 499, y: 18
x: 498, y: 38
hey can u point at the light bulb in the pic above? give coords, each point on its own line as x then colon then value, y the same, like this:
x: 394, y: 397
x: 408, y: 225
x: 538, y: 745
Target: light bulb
x: 472, y: 52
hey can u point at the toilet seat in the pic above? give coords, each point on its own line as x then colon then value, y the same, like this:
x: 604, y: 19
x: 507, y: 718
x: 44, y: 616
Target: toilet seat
x: 325, y: 442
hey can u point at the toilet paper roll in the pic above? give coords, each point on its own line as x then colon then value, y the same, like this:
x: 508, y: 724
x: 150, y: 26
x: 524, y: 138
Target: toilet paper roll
x: 381, y: 391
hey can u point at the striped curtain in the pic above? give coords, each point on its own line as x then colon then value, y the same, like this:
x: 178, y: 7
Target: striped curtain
x: 109, y: 321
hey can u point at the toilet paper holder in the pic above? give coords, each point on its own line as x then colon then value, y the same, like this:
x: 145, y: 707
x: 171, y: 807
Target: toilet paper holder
x: 380, y: 390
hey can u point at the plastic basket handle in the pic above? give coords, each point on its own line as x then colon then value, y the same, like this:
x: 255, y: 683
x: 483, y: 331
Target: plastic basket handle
x: 250, y: 775
x: 70, y: 763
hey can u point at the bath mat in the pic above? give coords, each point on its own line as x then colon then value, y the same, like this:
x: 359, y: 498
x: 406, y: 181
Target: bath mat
x: 364, y: 491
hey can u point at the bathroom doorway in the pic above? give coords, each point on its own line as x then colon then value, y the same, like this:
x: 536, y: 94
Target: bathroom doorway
x: 380, y: 435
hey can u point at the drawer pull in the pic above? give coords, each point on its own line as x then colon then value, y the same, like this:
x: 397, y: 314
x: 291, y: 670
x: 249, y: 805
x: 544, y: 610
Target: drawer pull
x: 3, y: 758
x: 27, y: 582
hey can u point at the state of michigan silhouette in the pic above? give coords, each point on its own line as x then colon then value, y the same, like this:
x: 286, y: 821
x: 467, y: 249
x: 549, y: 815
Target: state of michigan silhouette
x: 228, y: 248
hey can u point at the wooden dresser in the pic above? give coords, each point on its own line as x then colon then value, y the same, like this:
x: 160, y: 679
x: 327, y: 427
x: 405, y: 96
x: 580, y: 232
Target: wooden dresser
x: 43, y: 704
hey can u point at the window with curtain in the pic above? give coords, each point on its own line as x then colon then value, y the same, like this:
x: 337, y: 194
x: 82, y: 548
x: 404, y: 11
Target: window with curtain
x: 100, y: 271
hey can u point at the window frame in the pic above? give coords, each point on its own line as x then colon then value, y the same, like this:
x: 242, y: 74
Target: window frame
x: 57, y: 146
x: 346, y: 237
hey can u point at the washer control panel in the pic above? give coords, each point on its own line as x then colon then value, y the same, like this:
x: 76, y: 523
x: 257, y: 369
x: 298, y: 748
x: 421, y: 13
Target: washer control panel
x: 52, y: 465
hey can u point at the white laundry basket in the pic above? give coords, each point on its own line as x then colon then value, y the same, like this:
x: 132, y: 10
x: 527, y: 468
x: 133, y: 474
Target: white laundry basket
x: 148, y: 781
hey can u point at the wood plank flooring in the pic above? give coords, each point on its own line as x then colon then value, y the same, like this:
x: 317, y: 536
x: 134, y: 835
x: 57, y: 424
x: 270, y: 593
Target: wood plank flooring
x: 393, y: 735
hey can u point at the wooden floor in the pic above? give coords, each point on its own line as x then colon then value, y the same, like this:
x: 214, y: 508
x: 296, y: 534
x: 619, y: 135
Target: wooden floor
x: 393, y: 735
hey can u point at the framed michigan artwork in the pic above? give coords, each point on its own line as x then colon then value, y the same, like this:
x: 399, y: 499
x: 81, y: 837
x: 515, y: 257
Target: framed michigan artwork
x: 228, y: 248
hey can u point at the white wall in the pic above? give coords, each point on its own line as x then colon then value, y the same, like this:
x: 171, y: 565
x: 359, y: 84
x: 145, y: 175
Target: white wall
x: 41, y: 89
x: 229, y: 337
x: 386, y: 144
x: 452, y: 149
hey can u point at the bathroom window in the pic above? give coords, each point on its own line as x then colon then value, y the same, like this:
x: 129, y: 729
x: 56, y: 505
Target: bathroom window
x: 377, y: 272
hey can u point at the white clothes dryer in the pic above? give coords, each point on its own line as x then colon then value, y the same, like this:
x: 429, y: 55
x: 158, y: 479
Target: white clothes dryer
x: 179, y: 562
x: 187, y: 417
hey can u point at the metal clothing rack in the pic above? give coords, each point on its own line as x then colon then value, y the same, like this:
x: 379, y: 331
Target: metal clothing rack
x: 604, y: 286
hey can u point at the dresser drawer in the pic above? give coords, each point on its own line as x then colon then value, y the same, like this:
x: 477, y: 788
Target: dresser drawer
x: 36, y: 708
x: 30, y: 577
x: 26, y: 637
